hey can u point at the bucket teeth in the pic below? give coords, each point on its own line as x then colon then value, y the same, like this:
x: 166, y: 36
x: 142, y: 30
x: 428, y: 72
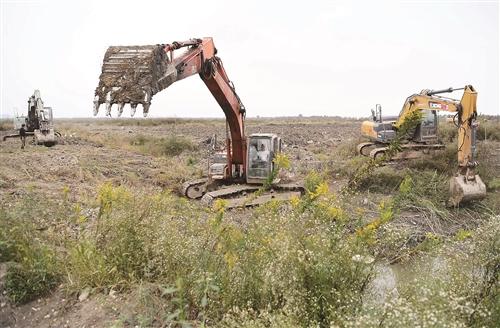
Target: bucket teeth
x: 96, y: 105
x: 133, y: 108
x: 120, y: 109
x: 108, y: 104
x: 108, y: 108
x: 145, y: 109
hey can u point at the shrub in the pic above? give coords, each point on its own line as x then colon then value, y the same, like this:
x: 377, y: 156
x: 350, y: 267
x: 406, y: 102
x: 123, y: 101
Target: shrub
x: 5, y: 125
x: 174, y: 146
x: 443, y: 161
x: 289, y: 258
x: 33, y: 268
x: 171, y: 146
x: 489, y: 130
x: 32, y: 232
x: 36, y: 275
x: 383, y: 179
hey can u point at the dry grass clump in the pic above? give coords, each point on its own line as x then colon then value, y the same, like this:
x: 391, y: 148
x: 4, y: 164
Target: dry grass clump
x: 6, y: 125
x: 170, y: 146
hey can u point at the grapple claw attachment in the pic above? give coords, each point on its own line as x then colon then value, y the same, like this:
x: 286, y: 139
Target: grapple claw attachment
x: 133, y: 74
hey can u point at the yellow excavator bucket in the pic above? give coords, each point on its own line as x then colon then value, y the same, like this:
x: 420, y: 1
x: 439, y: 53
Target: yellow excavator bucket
x: 464, y: 189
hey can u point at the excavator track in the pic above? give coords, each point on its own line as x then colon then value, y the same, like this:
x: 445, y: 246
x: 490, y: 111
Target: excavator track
x: 194, y: 189
x: 363, y: 147
x: 409, y: 151
x: 244, y: 195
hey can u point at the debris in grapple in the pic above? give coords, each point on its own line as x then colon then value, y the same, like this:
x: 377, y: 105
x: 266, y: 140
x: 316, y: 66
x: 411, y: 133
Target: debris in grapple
x: 133, y: 75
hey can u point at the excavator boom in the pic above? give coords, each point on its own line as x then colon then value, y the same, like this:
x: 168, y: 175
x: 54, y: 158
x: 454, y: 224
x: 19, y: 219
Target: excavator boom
x: 134, y: 74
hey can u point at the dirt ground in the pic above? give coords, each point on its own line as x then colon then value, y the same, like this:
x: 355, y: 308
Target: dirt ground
x: 84, y: 158
x: 91, y: 152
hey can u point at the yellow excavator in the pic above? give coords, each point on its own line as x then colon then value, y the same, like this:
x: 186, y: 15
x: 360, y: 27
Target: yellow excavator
x: 466, y: 185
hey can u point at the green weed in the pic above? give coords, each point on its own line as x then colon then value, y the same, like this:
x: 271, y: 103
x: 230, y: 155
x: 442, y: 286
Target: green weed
x: 34, y: 269
x: 170, y: 146
x: 294, y: 258
x: 34, y: 276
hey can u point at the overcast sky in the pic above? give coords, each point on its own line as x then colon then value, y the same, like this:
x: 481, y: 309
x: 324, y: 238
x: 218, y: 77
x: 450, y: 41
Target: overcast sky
x: 284, y: 57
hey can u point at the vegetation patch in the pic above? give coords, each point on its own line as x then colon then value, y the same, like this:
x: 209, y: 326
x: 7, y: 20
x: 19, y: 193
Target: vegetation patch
x: 455, y: 285
x: 170, y: 146
x: 33, y: 269
x: 297, y: 259
x: 488, y: 129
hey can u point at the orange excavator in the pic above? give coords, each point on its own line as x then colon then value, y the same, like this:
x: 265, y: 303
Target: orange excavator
x: 134, y: 74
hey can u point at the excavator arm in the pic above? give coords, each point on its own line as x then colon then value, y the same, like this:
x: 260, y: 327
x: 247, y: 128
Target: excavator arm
x: 134, y: 74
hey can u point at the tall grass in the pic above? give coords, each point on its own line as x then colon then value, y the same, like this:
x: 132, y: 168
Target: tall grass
x: 291, y: 259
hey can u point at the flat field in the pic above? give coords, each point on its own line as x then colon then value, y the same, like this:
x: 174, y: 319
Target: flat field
x: 93, y: 232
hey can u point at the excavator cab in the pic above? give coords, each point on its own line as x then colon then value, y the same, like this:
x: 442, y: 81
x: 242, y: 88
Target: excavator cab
x: 426, y: 131
x: 262, y: 148
x: 217, y: 169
